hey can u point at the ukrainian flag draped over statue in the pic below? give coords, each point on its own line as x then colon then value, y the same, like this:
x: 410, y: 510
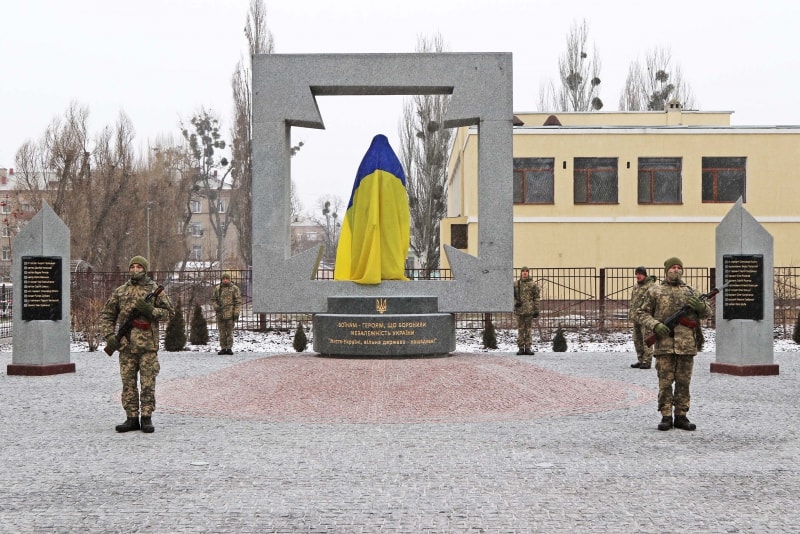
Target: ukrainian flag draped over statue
x: 376, y: 230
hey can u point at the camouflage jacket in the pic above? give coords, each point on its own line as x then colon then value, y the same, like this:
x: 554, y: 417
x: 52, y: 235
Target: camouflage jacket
x: 227, y: 301
x: 526, y: 297
x: 637, y: 295
x: 659, y: 302
x: 121, y: 303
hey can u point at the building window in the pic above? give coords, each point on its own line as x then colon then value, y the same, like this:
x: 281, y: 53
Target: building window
x: 6, y: 231
x: 660, y: 181
x: 197, y: 230
x: 194, y: 205
x: 724, y: 179
x: 196, y: 252
x: 458, y: 236
x: 6, y: 253
x: 220, y: 207
x: 595, y: 180
x: 533, y: 180
x: 5, y: 207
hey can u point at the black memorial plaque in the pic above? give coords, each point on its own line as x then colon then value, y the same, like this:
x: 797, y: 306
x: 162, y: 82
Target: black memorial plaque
x: 41, y: 288
x: 744, y: 296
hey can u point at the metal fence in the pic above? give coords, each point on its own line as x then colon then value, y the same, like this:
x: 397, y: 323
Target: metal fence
x: 572, y: 298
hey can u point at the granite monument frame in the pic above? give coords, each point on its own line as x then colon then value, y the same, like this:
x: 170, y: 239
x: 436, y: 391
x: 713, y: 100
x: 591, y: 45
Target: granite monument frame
x: 285, y: 87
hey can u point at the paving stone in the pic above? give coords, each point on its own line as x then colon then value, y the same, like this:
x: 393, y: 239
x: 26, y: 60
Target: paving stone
x: 472, y: 443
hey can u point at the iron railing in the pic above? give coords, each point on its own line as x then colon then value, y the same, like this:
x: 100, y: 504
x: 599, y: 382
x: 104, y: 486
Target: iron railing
x: 572, y: 298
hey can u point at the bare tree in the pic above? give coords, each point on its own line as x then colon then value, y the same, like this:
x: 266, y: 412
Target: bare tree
x: 424, y: 149
x: 208, y: 172
x: 579, y: 74
x: 166, y: 174
x: 652, y: 84
x: 295, y: 204
x: 260, y: 41
x: 90, y: 185
x: 330, y: 224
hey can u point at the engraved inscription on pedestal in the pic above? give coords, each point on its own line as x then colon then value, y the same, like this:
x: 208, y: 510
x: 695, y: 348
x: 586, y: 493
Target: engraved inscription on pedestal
x: 744, y: 296
x: 367, y: 327
x: 41, y: 288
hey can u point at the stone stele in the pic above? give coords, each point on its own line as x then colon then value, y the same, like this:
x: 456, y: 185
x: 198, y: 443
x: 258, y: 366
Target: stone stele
x: 41, y: 297
x: 745, y: 309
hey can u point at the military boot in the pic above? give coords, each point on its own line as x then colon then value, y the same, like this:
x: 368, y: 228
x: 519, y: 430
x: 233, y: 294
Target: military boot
x: 521, y: 351
x: 147, y: 424
x: 681, y: 421
x: 131, y: 423
x: 666, y: 422
x: 529, y: 351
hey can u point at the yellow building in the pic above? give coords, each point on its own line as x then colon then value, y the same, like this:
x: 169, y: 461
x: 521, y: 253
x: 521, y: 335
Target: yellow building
x: 632, y: 188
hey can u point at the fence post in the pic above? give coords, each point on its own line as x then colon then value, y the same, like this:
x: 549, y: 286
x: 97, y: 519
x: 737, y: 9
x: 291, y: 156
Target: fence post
x: 712, y: 283
x: 602, y: 304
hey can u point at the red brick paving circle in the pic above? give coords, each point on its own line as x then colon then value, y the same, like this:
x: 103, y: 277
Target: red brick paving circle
x: 459, y: 388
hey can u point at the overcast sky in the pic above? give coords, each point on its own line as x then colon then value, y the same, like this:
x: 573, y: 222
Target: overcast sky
x: 160, y: 61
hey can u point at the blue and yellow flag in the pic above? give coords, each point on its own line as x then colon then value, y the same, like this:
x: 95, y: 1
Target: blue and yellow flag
x: 377, y: 227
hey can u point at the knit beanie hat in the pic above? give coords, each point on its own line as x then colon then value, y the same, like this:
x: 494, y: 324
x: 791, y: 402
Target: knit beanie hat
x: 672, y: 261
x: 641, y: 270
x: 140, y: 260
x: 226, y: 274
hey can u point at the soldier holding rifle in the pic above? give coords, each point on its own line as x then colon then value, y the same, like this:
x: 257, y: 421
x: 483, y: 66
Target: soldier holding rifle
x: 675, y: 347
x: 140, y: 304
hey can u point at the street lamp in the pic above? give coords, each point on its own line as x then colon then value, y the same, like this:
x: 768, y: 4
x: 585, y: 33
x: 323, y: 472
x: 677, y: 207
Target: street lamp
x: 149, y: 204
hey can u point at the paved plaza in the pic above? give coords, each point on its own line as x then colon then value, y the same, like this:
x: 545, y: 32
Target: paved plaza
x: 490, y: 442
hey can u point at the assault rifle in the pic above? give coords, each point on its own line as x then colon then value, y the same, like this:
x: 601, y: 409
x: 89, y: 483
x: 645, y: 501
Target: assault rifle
x: 679, y: 317
x: 127, y: 326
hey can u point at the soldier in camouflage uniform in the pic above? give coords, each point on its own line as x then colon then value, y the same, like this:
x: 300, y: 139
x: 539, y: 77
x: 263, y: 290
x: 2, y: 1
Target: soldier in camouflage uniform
x: 526, y: 308
x: 644, y: 354
x: 138, y: 355
x: 227, y: 301
x: 674, y: 351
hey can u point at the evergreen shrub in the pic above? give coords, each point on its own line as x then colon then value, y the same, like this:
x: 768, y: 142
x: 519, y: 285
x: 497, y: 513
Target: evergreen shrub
x: 198, y: 328
x: 489, y: 336
x: 175, y: 333
x: 300, y: 341
x: 559, y: 341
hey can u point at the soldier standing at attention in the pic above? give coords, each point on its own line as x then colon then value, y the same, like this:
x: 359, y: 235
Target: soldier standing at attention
x: 644, y: 354
x: 526, y: 308
x: 674, y: 351
x: 138, y: 354
x: 227, y: 301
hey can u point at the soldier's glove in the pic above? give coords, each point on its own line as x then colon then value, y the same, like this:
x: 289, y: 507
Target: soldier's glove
x: 218, y: 309
x: 661, y: 330
x: 696, y: 304
x: 236, y: 318
x: 111, y: 342
x: 535, y: 315
x: 145, y: 308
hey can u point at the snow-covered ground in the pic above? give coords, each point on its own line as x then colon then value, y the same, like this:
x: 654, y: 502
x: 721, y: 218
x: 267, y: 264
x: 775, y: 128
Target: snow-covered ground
x: 466, y: 341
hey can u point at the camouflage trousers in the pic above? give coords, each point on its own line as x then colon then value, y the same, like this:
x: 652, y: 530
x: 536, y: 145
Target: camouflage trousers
x: 644, y: 354
x: 225, y: 327
x: 524, y: 325
x: 136, y: 369
x: 674, y: 369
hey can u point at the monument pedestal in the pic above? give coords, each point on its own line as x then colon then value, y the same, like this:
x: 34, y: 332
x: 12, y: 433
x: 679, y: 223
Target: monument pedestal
x: 384, y: 327
x: 768, y: 369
